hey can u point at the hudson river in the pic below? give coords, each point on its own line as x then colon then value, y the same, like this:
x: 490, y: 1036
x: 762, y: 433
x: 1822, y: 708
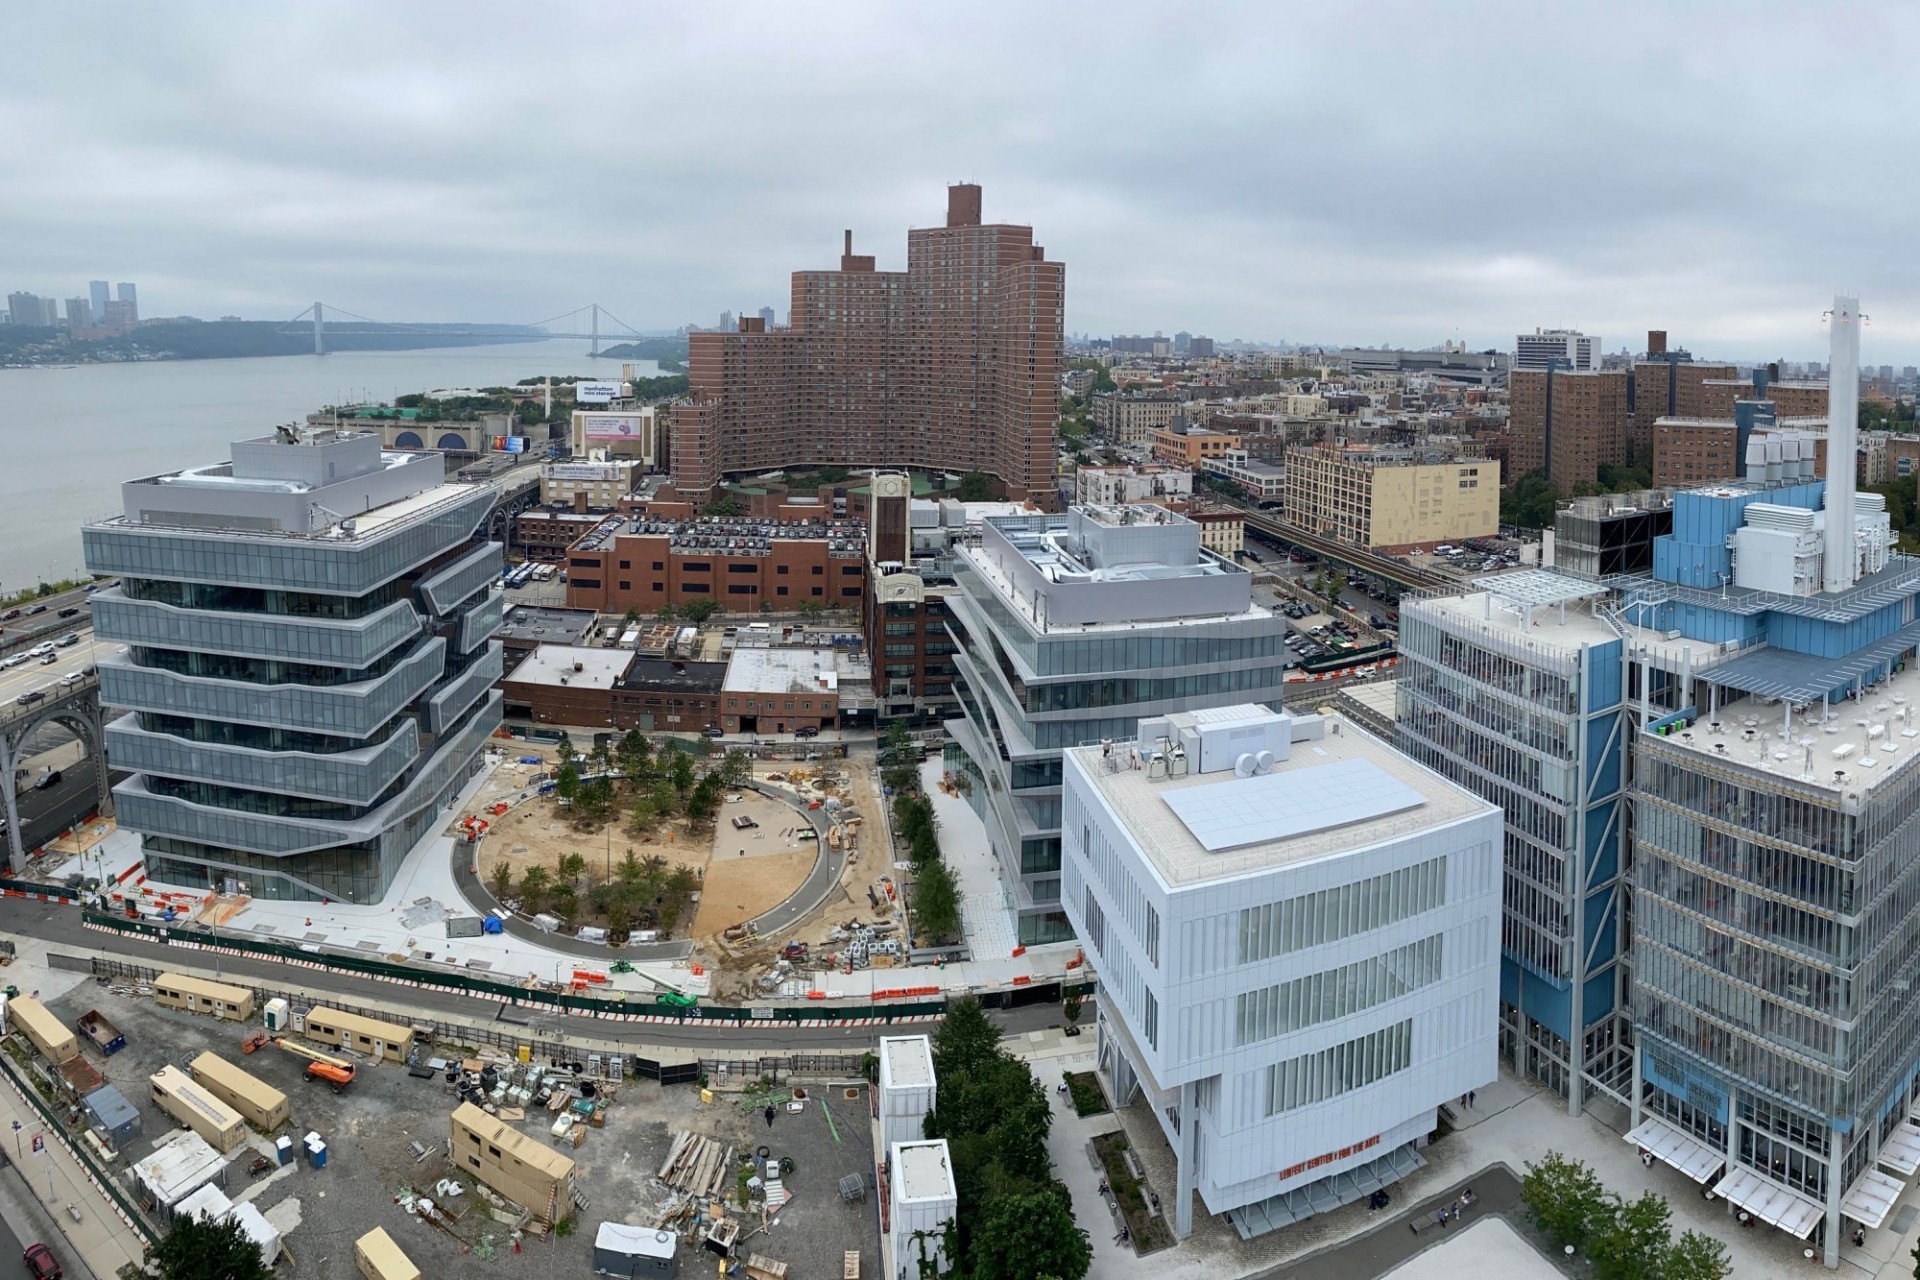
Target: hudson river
x: 73, y: 434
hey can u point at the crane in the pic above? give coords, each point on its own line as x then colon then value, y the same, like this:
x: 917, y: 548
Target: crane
x: 337, y: 1072
x: 668, y: 994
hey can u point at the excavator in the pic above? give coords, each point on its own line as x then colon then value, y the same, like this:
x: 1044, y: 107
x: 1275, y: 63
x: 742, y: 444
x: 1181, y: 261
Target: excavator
x: 337, y: 1072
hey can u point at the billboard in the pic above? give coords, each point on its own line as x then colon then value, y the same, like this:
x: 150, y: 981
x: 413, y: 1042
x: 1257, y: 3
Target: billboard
x: 581, y: 471
x: 616, y: 426
x: 595, y: 392
x: 510, y: 444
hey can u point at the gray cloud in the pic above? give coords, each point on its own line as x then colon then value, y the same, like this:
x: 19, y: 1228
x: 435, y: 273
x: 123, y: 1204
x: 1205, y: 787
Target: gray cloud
x: 1360, y: 173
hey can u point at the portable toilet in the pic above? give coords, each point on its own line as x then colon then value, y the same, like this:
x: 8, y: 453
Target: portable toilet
x: 279, y: 1015
x: 283, y: 1148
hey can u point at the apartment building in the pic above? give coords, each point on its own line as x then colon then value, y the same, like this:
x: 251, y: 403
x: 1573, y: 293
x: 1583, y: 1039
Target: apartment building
x: 1391, y: 502
x: 1190, y: 447
x: 1131, y: 418
x: 1118, y: 486
x: 738, y: 562
x: 953, y: 364
x: 1223, y: 530
x: 1294, y: 930
x: 517, y: 1165
x: 1694, y: 451
x: 301, y: 655
x: 1567, y: 424
x: 1669, y: 385
x: 1070, y: 628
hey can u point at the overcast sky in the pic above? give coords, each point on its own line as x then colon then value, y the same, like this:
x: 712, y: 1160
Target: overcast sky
x: 1394, y: 173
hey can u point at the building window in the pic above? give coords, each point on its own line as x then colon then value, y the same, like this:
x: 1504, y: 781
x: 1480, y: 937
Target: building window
x: 586, y: 582
x: 658, y: 565
x: 780, y: 591
x: 819, y: 591
x: 780, y: 569
x: 1336, y: 993
x: 626, y: 586
x: 743, y: 568
x: 659, y: 586
x: 741, y: 589
x: 853, y: 592
x: 818, y: 571
x: 625, y: 565
x: 700, y: 588
x: 1342, y: 1068
x: 851, y: 571
x: 695, y: 566
x: 1294, y: 924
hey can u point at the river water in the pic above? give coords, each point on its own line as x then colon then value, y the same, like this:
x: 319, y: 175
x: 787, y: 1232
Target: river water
x: 71, y: 435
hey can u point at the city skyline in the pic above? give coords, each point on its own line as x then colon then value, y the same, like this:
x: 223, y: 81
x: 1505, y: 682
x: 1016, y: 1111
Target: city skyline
x: 1334, y: 210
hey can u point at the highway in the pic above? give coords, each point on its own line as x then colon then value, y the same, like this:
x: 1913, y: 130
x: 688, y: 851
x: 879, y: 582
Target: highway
x: 61, y: 928
x: 30, y: 628
x: 32, y: 674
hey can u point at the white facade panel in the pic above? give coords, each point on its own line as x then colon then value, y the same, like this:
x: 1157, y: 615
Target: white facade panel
x: 906, y: 1088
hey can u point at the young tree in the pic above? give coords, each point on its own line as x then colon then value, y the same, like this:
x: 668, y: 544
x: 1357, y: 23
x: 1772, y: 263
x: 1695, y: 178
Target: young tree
x: 500, y: 879
x: 697, y: 610
x: 663, y: 614
x: 975, y: 486
x: 808, y: 608
x: 563, y: 901
x: 965, y: 1041
x: 1631, y: 1243
x: 566, y: 783
x: 635, y: 757
x: 703, y: 802
x: 1698, y: 1257
x: 633, y: 615
x: 936, y: 901
x: 564, y: 746
x: 569, y: 867
x: 1564, y: 1199
x: 534, y: 884
x: 736, y: 768
x: 1019, y: 1236
x: 197, y: 1249
x: 681, y: 771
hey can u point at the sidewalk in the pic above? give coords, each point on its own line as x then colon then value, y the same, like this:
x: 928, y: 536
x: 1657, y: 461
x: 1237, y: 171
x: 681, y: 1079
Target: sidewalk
x: 100, y: 1238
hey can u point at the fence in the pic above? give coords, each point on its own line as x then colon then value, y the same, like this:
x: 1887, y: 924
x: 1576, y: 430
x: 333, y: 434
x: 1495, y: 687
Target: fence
x: 57, y: 1132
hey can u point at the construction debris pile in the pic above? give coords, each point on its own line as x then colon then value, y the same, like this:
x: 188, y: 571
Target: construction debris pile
x: 577, y: 1094
x: 703, y: 1174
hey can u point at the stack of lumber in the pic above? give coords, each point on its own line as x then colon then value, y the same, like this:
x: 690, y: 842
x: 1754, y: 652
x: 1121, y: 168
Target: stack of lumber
x: 699, y: 1166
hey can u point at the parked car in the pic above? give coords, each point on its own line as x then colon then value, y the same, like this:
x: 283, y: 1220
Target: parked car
x: 40, y: 1263
x: 713, y: 731
x: 806, y: 731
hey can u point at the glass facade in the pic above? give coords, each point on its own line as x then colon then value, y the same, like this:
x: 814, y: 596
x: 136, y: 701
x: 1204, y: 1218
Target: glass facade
x: 299, y: 711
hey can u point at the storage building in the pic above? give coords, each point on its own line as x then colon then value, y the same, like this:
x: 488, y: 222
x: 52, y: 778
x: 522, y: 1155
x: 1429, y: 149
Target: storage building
x: 198, y: 995
x: 924, y: 1202
x: 175, y: 1093
x: 379, y: 1258
x: 113, y: 1115
x: 263, y: 1106
x: 635, y: 1253
x: 906, y: 1088
x: 387, y: 1040
x: 176, y: 1169
x: 52, y: 1037
x: 521, y: 1168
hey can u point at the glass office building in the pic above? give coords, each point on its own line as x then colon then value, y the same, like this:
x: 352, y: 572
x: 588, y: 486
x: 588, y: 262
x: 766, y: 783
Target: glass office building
x: 1514, y: 690
x: 306, y: 661
x: 1070, y: 627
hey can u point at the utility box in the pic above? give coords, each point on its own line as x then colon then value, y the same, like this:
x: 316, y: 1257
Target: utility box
x: 906, y: 1088
x: 279, y: 1015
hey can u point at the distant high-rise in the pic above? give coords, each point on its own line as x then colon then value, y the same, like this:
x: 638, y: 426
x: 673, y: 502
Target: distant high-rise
x: 953, y: 363
x: 32, y: 309
x: 1567, y: 423
x: 1200, y: 348
x: 98, y: 296
x: 119, y: 317
x: 79, y: 314
x: 726, y: 322
x: 1538, y: 350
x: 766, y: 316
x: 1180, y: 342
x: 125, y: 293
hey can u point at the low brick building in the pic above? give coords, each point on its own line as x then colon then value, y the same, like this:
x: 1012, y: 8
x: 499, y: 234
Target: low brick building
x: 545, y: 534
x: 780, y: 691
x: 738, y: 562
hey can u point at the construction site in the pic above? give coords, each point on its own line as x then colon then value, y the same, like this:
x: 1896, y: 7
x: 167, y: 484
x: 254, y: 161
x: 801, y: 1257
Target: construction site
x: 313, y: 1124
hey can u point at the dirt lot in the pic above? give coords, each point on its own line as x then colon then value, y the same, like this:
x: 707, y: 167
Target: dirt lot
x: 368, y: 1131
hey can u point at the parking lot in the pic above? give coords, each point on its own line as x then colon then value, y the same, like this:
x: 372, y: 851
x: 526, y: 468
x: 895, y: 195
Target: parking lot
x: 370, y: 1130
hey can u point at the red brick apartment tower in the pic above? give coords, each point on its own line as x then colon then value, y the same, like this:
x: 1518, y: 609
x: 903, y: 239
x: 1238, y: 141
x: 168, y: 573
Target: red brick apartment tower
x: 952, y: 364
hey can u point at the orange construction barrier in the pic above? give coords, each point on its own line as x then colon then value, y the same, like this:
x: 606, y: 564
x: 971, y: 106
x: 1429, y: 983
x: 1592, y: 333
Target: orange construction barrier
x: 1022, y: 980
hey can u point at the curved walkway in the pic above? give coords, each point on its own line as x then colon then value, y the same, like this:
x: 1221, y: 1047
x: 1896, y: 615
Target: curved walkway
x: 1391, y: 1242
x: 828, y: 863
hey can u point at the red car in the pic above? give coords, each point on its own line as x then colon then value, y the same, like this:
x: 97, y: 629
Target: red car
x: 40, y: 1263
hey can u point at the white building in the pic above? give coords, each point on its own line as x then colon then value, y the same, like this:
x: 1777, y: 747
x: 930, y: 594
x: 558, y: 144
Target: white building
x: 906, y: 1088
x: 1537, y: 350
x: 602, y: 479
x: 1296, y: 932
x: 924, y: 1202
x: 1263, y: 481
x: 1117, y: 486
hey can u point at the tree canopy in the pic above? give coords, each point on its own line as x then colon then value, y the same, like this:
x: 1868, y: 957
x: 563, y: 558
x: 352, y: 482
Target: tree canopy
x: 196, y: 1249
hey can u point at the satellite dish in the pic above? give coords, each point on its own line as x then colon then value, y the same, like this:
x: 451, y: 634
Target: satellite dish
x: 1264, y: 762
x: 1244, y: 765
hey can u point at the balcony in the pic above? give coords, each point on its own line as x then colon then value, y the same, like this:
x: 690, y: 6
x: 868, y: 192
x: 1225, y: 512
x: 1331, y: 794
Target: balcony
x: 142, y: 810
x: 351, y: 777
x: 351, y: 710
x: 331, y: 642
x: 447, y: 587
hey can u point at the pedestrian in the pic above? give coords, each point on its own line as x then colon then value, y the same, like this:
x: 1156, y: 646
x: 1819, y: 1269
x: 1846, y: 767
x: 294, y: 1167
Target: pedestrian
x: 1440, y: 1216
x: 769, y: 1114
x: 1456, y: 1211
x: 1471, y: 1095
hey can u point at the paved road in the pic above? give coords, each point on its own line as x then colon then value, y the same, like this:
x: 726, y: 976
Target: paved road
x: 30, y: 629
x: 61, y: 926
x: 32, y: 674
x: 1408, y: 1232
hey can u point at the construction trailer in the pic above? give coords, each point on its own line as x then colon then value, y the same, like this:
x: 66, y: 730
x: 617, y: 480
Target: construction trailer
x: 522, y: 1168
x: 113, y: 1115
x: 379, y: 1258
x: 263, y: 1106
x: 175, y: 1093
x: 635, y: 1253
x: 379, y: 1040
x: 199, y: 995
x: 53, y: 1038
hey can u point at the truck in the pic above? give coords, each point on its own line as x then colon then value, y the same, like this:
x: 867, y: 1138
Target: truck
x: 105, y: 1036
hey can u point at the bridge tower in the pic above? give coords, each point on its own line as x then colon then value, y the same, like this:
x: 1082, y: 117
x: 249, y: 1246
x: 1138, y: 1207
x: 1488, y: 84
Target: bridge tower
x: 596, y: 330
x: 80, y: 713
x: 319, y: 331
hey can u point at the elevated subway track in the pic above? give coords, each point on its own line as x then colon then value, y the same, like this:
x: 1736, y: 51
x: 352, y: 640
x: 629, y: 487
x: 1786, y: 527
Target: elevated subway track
x: 1398, y: 572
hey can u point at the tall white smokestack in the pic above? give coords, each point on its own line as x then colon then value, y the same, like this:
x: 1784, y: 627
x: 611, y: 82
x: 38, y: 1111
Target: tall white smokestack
x: 1843, y: 415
